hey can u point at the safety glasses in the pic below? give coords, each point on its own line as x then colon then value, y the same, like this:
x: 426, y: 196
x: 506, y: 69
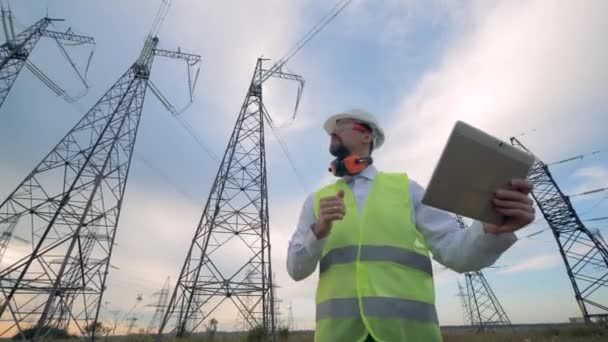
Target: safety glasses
x: 355, y: 126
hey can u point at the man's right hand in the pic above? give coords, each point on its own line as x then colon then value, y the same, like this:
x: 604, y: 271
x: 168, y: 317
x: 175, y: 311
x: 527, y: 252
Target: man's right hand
x: 330, y: 209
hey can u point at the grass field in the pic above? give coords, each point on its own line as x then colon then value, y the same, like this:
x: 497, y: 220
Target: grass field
x: 570, y: 334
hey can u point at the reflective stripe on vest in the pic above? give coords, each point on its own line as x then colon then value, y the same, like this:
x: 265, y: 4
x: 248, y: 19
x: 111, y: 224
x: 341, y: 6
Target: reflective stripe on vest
x: 378, y: 307
x: 375, y: 275
x: 401, y: 256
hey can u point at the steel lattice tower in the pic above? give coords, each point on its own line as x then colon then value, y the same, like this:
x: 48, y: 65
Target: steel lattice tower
x: 160, y: 307
x: 6, y: 235
x: 585, y: 255
x: 464, y: 299
x: 16, y: 51
x: 69, y: 207
x: 14, y: 54
x: 235, y: 219
x: 131, y: 325
x: 290, y: 321
x: 484, y: 310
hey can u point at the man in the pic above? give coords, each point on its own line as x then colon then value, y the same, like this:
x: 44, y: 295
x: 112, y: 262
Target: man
x: 372, y: 238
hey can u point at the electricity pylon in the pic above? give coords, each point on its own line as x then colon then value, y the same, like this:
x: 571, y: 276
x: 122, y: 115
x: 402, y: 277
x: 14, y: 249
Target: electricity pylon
x: 229, y: 257
x: 69, y: 207
x: 6, y: 236
x: 14, y: 53
x: 290, y: 321
x: 484, y: 310
x: 159, y: 307
x: 464, y: 299
x: 585, y: 254
x: 131, y: 326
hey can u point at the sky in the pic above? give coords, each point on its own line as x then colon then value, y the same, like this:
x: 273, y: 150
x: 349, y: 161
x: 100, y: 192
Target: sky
x: 532, y: 69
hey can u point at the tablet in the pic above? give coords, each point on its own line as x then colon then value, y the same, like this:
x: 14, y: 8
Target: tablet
x: 471, y: 168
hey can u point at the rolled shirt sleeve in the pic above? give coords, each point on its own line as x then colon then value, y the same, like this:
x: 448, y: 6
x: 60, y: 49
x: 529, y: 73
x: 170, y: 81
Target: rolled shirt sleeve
x: 461, y: 250
x: 304, y: 249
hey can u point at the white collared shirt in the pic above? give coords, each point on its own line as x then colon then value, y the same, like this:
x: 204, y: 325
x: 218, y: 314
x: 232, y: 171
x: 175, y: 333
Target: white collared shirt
x: 460, y: 250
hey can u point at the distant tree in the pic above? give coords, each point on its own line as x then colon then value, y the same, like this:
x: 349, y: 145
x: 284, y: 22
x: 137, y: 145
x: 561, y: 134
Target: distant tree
x: 257, y: 334
x: 283, y: 333
x: 98, y: 328
x: 115, y: 321
x: 48, y: 332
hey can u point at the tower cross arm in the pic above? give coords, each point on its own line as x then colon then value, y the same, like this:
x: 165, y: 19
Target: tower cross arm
x: 67, y: 36
x: 284, y: 75
x: 192, y: 58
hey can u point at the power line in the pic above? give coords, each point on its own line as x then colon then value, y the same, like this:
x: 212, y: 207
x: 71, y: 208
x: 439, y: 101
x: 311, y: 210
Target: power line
x: 164, y: 176
x: 160, y: 17
x: 285, y: 150
x: 536, y: 233
x: 597, y: 219
x: 188, y: 128
x: 277, y: 69
x: 595, y: 205
x: 337, y: 9
x: 579, y: 157
x: 589, y: 192
x: 526, y: 132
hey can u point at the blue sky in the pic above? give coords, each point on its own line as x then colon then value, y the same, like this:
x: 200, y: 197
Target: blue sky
x: 506, y: 67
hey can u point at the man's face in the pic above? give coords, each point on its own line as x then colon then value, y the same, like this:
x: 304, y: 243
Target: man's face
x: 347, y: 135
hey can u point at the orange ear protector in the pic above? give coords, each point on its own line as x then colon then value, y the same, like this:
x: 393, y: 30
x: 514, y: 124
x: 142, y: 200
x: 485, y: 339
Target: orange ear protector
x: 350, y: 165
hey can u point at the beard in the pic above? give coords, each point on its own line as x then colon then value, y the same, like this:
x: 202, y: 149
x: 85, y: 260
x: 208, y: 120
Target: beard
x: 338, y: 149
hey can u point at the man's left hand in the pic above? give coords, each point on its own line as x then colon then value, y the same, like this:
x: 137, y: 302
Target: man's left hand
x: 515, y: 204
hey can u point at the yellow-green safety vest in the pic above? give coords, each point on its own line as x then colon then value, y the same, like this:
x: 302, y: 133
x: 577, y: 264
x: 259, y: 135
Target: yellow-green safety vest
x: 375, y: 274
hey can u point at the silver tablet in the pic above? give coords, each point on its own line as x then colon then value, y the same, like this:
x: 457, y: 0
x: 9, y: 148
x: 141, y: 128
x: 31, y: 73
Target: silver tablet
x: 472, y: 167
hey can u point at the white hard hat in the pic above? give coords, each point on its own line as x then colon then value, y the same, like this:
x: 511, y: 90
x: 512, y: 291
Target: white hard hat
x: 359, y: 115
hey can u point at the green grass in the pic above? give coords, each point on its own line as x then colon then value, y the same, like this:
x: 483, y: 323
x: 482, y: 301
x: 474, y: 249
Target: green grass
x: 575, y: 334
x: 570, y: 334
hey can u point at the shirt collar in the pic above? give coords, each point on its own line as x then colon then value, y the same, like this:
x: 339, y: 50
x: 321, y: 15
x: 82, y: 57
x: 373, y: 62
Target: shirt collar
x: 368, y: 173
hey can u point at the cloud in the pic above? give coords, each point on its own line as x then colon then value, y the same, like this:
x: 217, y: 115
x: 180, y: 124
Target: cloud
x: 232, y: 35
x: 521, y: 65
x: 540, y: 262
x: 592, y: 178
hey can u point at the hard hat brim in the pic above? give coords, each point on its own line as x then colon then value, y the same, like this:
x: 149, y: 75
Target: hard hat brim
x: 330, y: 124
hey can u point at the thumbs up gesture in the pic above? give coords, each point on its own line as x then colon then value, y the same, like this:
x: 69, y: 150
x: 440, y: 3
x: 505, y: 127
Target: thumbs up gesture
x: 330, y: 209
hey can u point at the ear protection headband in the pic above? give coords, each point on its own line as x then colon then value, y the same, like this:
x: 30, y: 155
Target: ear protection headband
x: 350, y: 165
